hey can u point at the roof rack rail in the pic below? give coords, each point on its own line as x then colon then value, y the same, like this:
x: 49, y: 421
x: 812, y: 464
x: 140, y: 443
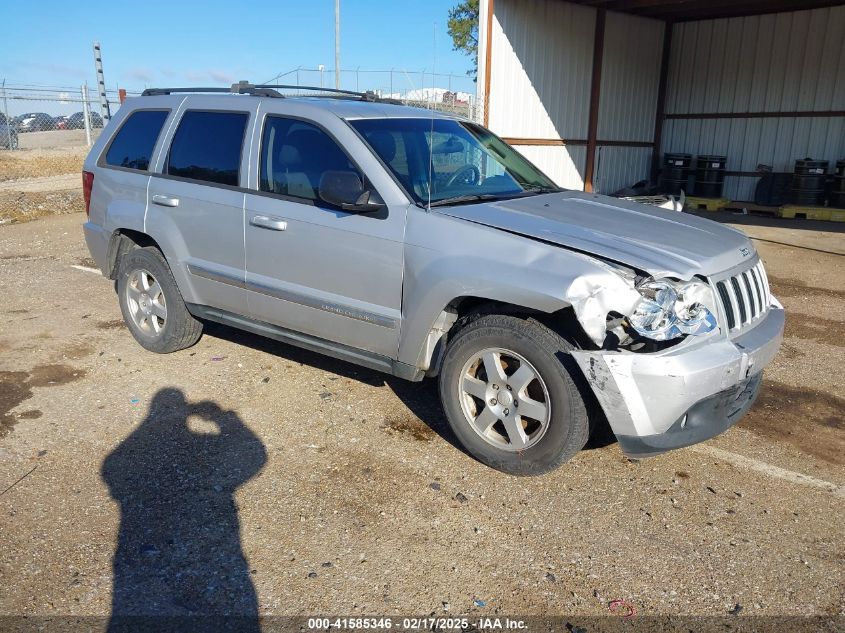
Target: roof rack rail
x: 341, y: 94
x: 272, y: 90
x: 242, y: 87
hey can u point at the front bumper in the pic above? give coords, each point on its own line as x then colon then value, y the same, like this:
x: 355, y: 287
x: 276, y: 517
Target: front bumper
x: 687, y: 394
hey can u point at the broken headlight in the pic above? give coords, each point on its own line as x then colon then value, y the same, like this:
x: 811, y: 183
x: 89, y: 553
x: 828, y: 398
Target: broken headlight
x: 670, y: 309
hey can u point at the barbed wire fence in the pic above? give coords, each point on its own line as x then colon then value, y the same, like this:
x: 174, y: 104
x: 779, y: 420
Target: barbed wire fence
x: 35, y: 116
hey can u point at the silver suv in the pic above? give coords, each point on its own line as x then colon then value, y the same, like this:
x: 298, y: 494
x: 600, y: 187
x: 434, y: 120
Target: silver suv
x: 420, y: 244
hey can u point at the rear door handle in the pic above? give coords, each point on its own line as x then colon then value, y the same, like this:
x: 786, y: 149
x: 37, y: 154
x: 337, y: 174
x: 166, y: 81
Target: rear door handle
x: 267, y: 222
x: 165, y: 201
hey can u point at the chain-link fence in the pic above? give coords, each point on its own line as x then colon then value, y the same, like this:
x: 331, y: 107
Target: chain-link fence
x: 438, y: 91
x: 62, y: 117
x: 51, y: 117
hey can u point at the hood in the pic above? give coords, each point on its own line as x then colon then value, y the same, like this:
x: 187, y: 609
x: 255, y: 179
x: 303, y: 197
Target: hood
x: 655, y: 240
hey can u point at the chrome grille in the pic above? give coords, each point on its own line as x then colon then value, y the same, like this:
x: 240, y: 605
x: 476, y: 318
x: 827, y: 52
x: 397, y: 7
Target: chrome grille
x: 744, y: 297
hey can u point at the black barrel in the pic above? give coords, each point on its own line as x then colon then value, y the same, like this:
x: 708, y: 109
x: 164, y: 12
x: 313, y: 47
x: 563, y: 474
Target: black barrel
x: 710, y: 176
x: 808, y: 182
x: 837, y: 193
x: 676, y: 169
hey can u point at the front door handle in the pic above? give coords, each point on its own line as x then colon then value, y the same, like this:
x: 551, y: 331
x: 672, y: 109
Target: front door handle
x: 267, y: 222
x: 165, y: 201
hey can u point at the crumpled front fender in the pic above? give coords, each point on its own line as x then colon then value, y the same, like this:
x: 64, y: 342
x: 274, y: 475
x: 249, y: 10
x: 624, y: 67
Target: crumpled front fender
x: 594, y: 295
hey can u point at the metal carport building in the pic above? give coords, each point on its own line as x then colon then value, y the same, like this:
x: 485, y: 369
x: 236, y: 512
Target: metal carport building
x: 595, y: 91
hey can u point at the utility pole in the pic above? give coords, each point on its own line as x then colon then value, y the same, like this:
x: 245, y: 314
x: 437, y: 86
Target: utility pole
x: 337, y: 44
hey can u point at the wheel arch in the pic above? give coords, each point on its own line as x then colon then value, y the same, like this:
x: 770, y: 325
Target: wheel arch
x: 464, y: 309
x: 121, y: 242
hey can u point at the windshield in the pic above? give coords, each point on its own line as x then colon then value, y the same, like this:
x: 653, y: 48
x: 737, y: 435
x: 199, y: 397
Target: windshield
x: 468, y: 162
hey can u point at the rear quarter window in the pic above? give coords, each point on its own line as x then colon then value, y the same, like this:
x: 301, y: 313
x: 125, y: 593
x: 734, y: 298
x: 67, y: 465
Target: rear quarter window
x: 132, y: 146
x: 207, y: 146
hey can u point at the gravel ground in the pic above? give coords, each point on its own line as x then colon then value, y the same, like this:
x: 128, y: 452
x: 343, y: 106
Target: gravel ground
x: 243, y: 474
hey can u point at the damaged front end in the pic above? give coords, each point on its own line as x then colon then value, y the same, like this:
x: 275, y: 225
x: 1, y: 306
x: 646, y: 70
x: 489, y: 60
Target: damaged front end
x: 671, y: 367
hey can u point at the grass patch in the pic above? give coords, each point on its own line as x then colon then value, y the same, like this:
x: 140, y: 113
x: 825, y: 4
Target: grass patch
x: 36, y: 163
x: 21, y: 206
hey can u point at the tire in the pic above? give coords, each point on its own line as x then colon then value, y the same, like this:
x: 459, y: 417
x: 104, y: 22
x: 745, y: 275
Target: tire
x: 539, y: 447
x: 156, y: 316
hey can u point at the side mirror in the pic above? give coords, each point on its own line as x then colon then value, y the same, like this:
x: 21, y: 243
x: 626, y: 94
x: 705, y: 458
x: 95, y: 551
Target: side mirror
x: 344, y: 189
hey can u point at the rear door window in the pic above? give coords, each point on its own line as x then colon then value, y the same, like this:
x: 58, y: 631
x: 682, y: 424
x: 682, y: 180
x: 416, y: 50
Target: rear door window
x: 207, y: 147
x: 132, y: 146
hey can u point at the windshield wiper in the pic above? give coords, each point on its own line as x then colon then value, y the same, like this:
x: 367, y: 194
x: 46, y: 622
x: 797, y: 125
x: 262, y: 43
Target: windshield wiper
x: 487, y: 197
x: 540, y: 189
x: 476, y: 197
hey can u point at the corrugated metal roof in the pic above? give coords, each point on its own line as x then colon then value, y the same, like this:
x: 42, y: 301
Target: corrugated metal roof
x: 564, y: 165
x: 683, y: 10
x: 770, y: 63
x: 630, y: 77
x: 618, y: 167
x: 540, y: 69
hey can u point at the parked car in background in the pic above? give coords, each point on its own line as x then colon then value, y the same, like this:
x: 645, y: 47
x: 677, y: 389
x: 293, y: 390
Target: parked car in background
x: 60, y: 122
x: 34, y: 122
x: 8, y: 134
x: 76, y: 121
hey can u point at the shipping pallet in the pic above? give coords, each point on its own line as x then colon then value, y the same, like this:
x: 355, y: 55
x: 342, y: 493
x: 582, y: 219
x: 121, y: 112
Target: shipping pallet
x: 812, y: 213
x: 708, y: 204
x: 738, y: 206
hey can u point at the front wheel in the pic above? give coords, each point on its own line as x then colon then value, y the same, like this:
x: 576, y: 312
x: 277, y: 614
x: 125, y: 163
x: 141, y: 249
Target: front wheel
x: 510, y: 392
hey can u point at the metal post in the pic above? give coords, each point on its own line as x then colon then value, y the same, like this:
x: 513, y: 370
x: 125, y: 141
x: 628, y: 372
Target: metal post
x: 321, y: 68
x: 391, y: 83
x: 6, y: 114
x: 337, y: 44
x: 86, y: 113
x: 101, y: 83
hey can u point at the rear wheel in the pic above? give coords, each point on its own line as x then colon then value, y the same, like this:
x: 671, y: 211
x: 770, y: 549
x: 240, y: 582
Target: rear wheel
x: 152, y: 305
x: 510, y: 391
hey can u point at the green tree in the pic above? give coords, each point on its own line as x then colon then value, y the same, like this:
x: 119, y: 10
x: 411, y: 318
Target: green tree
x: 463, y: 28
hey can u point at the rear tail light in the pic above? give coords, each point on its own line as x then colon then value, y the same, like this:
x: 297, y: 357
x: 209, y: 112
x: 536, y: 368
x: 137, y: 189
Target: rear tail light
x: 87, y: 184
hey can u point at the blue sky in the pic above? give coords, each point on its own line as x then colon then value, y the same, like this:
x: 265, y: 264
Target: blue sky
x: 217, y: 42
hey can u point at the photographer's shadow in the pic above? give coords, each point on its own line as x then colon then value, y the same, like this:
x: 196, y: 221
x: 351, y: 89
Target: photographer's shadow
x: 179, y: 548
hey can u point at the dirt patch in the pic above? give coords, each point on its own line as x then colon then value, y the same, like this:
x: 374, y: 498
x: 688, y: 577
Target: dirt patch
x: 13, y: 390
x: 814, y: 328
x: 16, y: 386
x: 783, y: 287
x: 410, y: 426
x: 86, y: 261
x: 110, y: 325
x: 54, y: 375
x: 34, y: 164
x: 76, y: 351
x: 810, y: 420
x: 21, y: 206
